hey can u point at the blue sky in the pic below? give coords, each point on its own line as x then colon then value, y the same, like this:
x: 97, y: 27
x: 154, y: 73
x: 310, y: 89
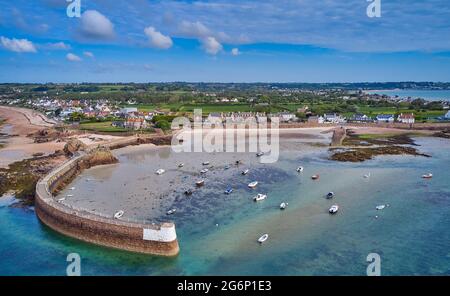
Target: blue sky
x: 224, y: 41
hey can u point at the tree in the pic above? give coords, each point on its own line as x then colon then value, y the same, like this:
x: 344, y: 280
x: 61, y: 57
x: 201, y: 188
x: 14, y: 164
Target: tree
x: 163, y: 124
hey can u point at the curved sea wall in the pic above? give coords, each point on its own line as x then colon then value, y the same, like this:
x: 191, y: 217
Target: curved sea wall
x: 156, y: 239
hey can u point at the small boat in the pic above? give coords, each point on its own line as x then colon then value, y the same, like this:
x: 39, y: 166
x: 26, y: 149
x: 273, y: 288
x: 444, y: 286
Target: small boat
x: 333, y: 209
x: 315, y: 177
x: 69, y: 195
x: 204, y: 171
x: 118, y: 215
x: 181, y: 165
x: 72, y: 188
x: 160, y: 172
x: 60, y: 200
x: 200, y: 183
x: 229, y: 190
x: 260, y: 197
x: 188, y: 192
x: 263, y: 238
x: 283, y: 205
x: 245, y: 172
x: 205, y: 163
x: 367, y: 176
x: 253, y: 184
x: 428, y: 176
x: 330, y: 195
x: 300, y: 169
x: 380, y: 207
x: 171, y: 212
x: 259, y: 154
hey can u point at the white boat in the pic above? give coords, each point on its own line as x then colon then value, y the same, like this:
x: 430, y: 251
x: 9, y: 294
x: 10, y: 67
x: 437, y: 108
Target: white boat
x: 300, y: 169
x: 283, y: 205
x: 60, y: 200
x: 69, y: 195
x: 260, y: 197
x: 253, y: 184
x: 204, y: 171
x: 72, y: 188
x: 259, y: 154
x: 380, y: 207
x: 205, y: 163
x: 333, y: 209
x: 181, y: 165
x: 367, y: 176
x: 160, y: 172
x: 263, y: 238
x: 315, y: 177
x: 245, y: 172
x: 200, y: 183
x: 171, y: 212
x: 330, y: 195
x: 428, y: 176
x: 118, y: 215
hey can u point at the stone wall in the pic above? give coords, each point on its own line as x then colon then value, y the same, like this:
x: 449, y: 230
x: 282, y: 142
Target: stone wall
x: 101, y: 230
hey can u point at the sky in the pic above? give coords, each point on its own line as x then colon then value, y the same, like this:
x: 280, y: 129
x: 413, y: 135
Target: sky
x: 224, y: 41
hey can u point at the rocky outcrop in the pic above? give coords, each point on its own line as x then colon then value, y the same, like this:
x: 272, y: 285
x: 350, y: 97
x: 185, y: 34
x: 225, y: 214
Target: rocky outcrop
x: 363, y: 154
x: 72, y: 146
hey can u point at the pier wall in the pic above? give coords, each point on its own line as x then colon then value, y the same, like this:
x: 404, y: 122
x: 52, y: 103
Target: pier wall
x: 156, y: 239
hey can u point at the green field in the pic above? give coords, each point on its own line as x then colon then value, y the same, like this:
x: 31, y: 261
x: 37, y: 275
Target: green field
x: 105, y: 127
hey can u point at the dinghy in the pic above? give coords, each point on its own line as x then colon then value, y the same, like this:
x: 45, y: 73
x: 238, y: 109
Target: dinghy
x: 283, y: 205
x: 315, y: 177
x: 253, y: 184
x: 160, y: 172
x: 333, y: 209
x: 263, y: 238
x: 118, y: 215
x: 171, y: 212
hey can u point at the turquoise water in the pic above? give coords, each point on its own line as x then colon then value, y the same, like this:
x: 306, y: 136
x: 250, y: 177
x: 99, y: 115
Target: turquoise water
x: 411, y: 235
x: 431, y: 95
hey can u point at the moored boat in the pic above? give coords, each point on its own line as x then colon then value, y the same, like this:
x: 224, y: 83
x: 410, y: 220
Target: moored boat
x: 229, y: 190
x: 181, y: 165
x: 333, y: 209
x: 171, y: 211
x: 245, y: 172
x: 200, y: 183
x: 204, y: 171
x: 188, y: 192
x: 259, y: 154
x: 259, y: 197
x: 263, y: 238
x: 253, y: 184
x: 428, y: 176
x: 205, y: 163
x: 315, y: 177
x: 330, y: 195
x: 119, y: 214
x: 160, y: 172
x: 300, y: 169
x: 380, y: 207
x: 283, y: 205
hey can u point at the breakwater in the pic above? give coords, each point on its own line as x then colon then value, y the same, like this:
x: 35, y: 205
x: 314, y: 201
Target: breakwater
x: 156, y: 239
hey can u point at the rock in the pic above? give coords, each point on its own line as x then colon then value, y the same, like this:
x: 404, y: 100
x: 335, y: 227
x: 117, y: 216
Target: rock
x: 72, y: 146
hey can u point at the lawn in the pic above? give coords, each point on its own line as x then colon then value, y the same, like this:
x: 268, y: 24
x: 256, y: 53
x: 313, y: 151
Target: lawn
x: 105, y: 127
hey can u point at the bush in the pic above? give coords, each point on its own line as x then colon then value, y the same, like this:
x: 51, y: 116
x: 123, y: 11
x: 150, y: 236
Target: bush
x: 163, y: 124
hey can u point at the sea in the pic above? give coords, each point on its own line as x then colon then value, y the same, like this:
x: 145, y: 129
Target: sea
x: 218, y: 233
x: 429, y: 95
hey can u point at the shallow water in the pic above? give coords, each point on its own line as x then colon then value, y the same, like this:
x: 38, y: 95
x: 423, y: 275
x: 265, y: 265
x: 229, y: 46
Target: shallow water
x: 411, y: 235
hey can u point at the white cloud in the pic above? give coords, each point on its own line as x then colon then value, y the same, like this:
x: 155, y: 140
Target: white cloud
x: 17, y: 45
x: 157, y: 39
x: 58, y: 46
x: 235, y: 52
x: 95, y: 25
x: 211, y: 45
x: 88, y: 54
x: 194, y: 29
x: 73, y: 58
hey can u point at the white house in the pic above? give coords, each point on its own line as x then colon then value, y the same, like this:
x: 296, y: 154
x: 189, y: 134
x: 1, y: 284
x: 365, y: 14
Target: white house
x: 385, y: 118
x: 406, y: 118
x: 333, y: 118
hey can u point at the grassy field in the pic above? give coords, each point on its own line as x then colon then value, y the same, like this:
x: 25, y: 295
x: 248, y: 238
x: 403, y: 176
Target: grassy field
x: 105, y: 127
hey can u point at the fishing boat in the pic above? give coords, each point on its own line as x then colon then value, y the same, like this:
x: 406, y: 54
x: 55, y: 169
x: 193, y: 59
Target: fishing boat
x: 428, y: 176
x: 188, y: 192
x: 330, y: 195
x: 315, y: 177
x: 245, y: 172
x: 204, y: 171
x: 260, y: 197
x: 229, y: 190
x: 253, y: 184
x: 263, y: 238
x: 181, y: 165
x: 171, y: 212
x: 300, y: 169
x: 205, y: 163
x: 160, y: 172
x: 200, y: 183
x: 119, y: 214
x: 259, y: 154
x: 333, y: 209
x: 283, y: 205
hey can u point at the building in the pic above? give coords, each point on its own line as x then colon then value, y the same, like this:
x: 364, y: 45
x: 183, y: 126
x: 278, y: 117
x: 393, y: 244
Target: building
x: 286, y: 116
x: 136, y: 123
x: 406, y: 118
x: 128, y: 110
x: 360, y: 118
x: 316, y: 119
x: 333, y: 118
x: 388, y: 118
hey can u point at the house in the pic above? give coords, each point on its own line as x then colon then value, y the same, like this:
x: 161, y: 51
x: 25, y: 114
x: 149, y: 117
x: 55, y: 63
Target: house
x: 385, y: 118
x: 214, y: 117
x: 360, y: 118
x: 406, y: 118
x: 316, y: 119
x: 120, y: 124
x: 286, y: 116
x: 333, y: 118
x: 136, y: 123
x: 126, y: 111
x: 447, y: 116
